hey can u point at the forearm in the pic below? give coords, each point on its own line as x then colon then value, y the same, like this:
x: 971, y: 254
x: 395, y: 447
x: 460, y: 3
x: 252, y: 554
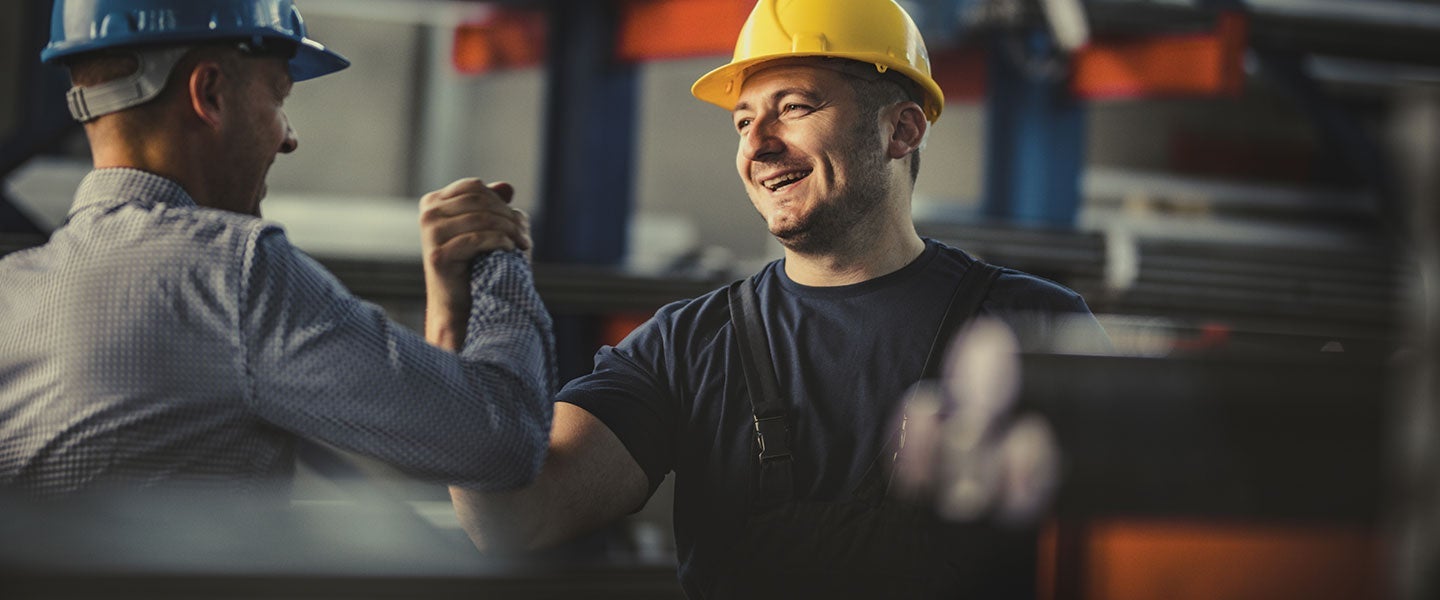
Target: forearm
x: 507, y: 522
x: 507, y: 323
x: 445, y: 321
x: 536, y: 517
x: 588, y: 480
x: 326, y: 365
x: 447, y: 309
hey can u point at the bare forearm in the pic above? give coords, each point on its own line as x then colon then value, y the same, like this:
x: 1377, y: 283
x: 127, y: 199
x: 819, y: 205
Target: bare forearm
x: 446, y: 313
x: 588, y: 480
x: 497, y: 522
x: 528, y: 519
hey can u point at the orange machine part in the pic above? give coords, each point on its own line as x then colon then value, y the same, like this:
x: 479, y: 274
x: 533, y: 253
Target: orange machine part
x: 505, y: 39
x: 1135, y: 560
x: 661, y: 29
x: 1205, y: 64
x: 1201, y: 64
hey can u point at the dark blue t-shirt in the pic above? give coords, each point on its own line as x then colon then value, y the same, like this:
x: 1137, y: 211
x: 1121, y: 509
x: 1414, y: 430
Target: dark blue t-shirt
x: 674, y: 391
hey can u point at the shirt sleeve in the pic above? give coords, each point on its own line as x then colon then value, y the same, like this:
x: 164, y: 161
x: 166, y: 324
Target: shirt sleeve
x: 1046, y: 316
x: 324, y: 364
x: 630, y: 391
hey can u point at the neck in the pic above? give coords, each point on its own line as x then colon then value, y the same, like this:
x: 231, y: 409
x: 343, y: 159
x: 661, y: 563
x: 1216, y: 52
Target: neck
x: 153, y: 150
x: 862, y: 257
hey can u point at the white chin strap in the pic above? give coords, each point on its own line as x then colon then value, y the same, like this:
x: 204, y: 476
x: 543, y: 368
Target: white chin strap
x: 88, y: 103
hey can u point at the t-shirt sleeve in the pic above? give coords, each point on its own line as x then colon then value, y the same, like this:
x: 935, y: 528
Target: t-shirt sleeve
x: 630, y: 391
x: 1045, y: 315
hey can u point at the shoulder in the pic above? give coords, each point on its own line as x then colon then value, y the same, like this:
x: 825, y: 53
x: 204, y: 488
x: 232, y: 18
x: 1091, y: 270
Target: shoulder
x: 713, y: 308
x: 1044, y: 315
x: 685, y: 322
x: 206, y: 234
x: 692, y: 326
x: 1016, y: 290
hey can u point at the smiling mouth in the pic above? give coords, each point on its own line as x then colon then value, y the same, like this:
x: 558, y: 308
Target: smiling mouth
x: 777, y: 183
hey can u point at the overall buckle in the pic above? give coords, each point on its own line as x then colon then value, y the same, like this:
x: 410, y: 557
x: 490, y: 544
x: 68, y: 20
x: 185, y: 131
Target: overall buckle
x: 773, y: 435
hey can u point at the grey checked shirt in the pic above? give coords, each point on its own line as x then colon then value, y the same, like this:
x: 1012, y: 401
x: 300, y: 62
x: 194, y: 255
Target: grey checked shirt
x: 153, y: 341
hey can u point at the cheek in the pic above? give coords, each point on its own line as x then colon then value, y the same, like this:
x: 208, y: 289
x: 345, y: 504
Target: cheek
x: 277, y: 125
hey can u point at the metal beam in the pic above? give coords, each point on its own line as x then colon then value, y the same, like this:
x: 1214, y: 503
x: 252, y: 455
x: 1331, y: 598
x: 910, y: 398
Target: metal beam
x: 1035, y: 134
x: 585, y: 189
x: 589, y: 138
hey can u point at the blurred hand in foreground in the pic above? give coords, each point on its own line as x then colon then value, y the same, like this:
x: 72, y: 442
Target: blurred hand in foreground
x: 963, y: 447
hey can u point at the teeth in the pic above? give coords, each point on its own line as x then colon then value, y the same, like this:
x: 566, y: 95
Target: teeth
x: 783, y: 180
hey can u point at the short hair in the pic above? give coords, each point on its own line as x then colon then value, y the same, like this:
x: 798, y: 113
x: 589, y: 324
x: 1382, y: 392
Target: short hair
x: 96, y: 68
x: 889, y: 88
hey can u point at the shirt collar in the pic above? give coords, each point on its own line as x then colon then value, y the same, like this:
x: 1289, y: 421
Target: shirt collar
x: 108, y: 188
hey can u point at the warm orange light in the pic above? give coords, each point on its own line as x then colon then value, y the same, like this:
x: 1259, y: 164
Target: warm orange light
x: 1205, y: 64
x: 661, y: 29
x: 505, y: 39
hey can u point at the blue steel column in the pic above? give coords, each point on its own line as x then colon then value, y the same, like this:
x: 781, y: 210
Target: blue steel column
x: 589, y: 147
x: 1035, y: 137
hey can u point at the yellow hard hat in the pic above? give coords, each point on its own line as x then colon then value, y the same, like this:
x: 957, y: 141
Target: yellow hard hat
x: 871, y: 31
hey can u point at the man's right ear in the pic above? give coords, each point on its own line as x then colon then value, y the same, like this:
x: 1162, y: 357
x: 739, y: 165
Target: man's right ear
x: 206, y: 84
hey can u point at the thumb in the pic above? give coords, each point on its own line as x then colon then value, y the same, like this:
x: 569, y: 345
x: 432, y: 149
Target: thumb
x: 504, y: 190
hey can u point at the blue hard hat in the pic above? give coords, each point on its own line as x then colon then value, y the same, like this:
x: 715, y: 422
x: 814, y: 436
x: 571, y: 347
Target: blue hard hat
x: 79, y: 26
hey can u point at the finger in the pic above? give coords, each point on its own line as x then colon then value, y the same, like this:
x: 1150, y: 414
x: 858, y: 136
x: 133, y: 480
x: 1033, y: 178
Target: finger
x: 1031, y: 457
x: 468, y: 185
x: 508, y: 222
x: 916, y: 465
x: 464, y: 248
x: 440, y: 231
x: 982, y: 374
x: 522, y: 219
x: 468, y: 192
x: 504, y: 190
x: 433, y: 209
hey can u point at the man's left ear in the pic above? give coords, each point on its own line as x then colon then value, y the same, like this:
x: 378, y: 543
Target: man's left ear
x: 910, y: 126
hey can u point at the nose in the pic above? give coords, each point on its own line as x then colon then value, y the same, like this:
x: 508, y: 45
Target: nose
x: 292, y: 141
x: 760, y: 141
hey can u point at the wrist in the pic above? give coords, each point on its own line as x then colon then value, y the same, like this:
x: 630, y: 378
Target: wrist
x: 447, y: 309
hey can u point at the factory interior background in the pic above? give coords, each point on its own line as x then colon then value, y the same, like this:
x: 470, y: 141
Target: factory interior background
x: 1244, y: 192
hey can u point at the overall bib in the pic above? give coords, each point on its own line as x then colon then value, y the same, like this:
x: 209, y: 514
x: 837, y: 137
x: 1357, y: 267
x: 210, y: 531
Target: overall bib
x: 864, y: 546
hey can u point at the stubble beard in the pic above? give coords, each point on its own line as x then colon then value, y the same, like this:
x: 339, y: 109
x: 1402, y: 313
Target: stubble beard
x: 831, y: 226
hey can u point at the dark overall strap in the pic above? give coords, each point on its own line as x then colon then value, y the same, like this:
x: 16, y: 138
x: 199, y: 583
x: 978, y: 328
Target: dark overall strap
x: 965, y: 303
x: 772, y: 429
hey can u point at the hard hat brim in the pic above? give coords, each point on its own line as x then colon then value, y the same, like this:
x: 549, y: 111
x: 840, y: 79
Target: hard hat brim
x: 722, y: 86
x: 313, y: 59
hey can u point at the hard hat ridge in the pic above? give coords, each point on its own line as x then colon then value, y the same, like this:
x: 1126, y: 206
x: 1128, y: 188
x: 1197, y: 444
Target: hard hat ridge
x: 83, y: 26
x: 878, y: 32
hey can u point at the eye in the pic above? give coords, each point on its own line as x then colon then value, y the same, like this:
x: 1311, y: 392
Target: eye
x: 795, y: 107
x: 741, y: 124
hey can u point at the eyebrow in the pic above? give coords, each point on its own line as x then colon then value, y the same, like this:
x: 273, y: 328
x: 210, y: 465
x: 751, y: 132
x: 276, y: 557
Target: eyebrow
x: 781, y: 93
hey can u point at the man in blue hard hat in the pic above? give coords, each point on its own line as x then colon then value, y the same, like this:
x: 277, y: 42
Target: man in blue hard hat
x: 167, y: 336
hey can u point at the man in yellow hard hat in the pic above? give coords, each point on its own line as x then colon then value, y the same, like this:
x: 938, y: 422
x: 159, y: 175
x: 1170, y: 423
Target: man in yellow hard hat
x: 772, y: 399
